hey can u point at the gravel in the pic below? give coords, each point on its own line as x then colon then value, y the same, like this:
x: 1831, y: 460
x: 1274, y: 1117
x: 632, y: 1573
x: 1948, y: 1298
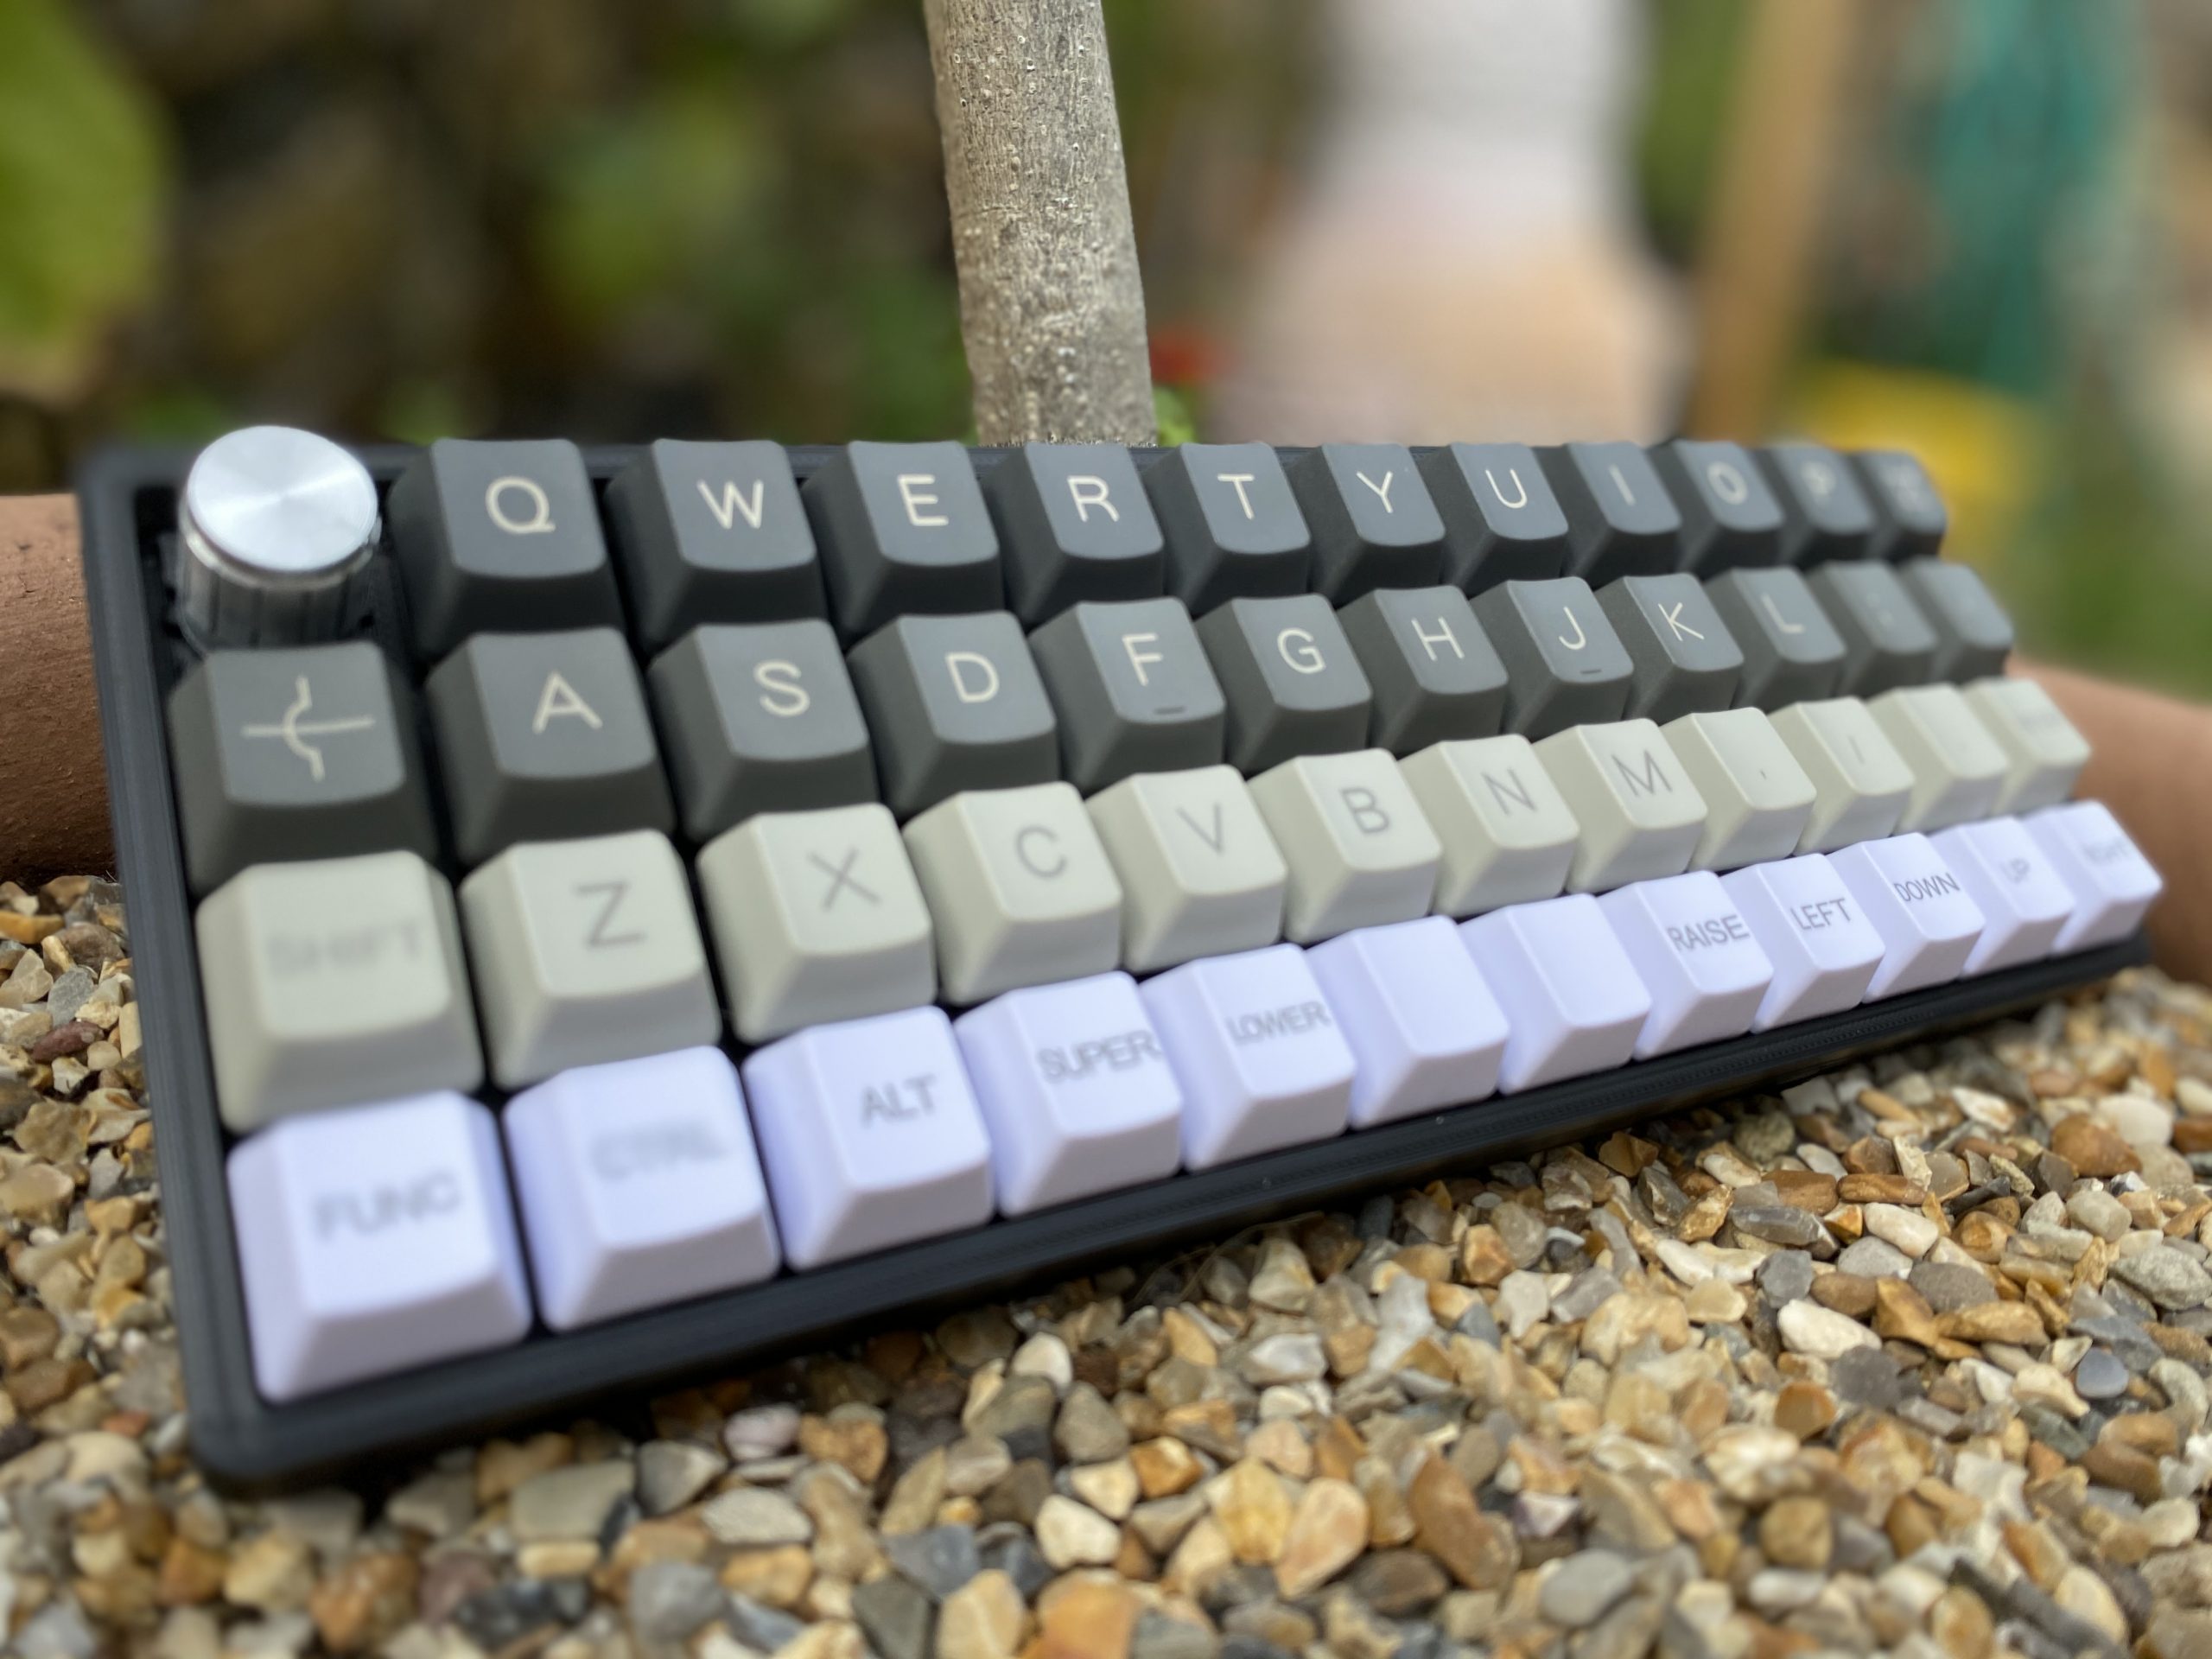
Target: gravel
x: 1912, y: 1359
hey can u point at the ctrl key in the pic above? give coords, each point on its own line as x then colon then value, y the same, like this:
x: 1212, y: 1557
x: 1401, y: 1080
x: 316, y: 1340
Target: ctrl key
x: 375, y: 1240
x: 870, y: 1134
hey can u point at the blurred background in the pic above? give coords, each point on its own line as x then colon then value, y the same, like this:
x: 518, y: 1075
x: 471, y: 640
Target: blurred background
x: 1981, y: 229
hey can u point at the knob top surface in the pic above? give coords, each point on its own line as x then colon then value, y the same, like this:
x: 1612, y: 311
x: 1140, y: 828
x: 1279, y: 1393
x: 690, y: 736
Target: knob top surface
x: 281, y: 503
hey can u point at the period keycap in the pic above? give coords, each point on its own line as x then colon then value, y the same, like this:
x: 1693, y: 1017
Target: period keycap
x: 303, y: 753
x: 713, y: 532
x: 1860, y: 783
x: 498, y: 535
x: 1758, y: 799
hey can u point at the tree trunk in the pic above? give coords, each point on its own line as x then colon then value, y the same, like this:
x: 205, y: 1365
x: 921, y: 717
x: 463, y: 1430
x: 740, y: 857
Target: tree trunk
x: 1052, y: 308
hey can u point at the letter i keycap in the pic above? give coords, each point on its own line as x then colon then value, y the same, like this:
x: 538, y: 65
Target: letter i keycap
x: 1916, y: 903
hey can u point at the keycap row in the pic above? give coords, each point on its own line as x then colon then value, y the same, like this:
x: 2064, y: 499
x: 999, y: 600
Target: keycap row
x: 378, y: 1237
x: 344, y: 979
x: 507, y: 534
x: 312, y: 752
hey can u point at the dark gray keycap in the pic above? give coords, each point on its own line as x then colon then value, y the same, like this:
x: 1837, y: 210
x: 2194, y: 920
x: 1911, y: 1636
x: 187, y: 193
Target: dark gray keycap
x: 713, y: 532
x: 902, y: 528
x: 1076, y: 525
x: 285, y: 754
x: 955, y: 702
x: 760, y: 718
x: 499, y: 535
x: 1132, y: 690
x: 1293, y: 684
x: 1232, y: 524
x: 1686, y: 661
x: 1792, y: 652
x: 1563, y: 664
x: 1434, y: 674
x: 1620, y: 520
x: 1972, y: 634
x: 1910, y: 520
x: 1825, y: 515
x: 1373, y: 523
x: 544, y: 736
x: 1729, y: 516
x: 1501, y: 520
x: 1886, y: 641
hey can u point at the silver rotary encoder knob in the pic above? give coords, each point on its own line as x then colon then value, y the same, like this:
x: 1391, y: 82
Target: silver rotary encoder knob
x: 277, y: 527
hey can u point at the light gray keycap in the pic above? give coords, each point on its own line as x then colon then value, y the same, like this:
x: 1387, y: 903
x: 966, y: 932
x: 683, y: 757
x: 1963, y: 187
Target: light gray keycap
x: 1757, y: 799
x: 1563, y: 664
x: 1292, y: 682
x: 1200, y: 875
x: 1508, y: 835
x: 333, y: 981
x: 1373, y: 523
x: 1132, y: 690
x: 1640, y: 817
x: 1859, y: 780
x: 543, y: 736
x: 1958, y: 769
x: 816, y: 915
x: 1359, y: 851
x: 2043, y: 754
x: 1886, y: 641
x: 1973, y: 635
x: 760, y: 718
x: 1232, y: 522
x: 1434, y: 674
x: 1020, y: 889
x: 586, y: 951
x: 1791, y: 651
x: 955, y: 702
x: 374, y: 1240
x: 1686, y: 661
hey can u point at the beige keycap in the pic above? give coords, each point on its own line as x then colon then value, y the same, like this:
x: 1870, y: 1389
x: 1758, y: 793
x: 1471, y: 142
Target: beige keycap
x: 1359, y: 849
x: 816, y: 915
x: 331, y: 981
x: 586, y: 951
x: 1859, y: 780
x: 1757, y: 797
x: 1200, y: 875
x: 1508, y: 836
x: 1021, y: 889
x: 2043, y: 754
x: 1639, y: 814
x: 1958, y: 770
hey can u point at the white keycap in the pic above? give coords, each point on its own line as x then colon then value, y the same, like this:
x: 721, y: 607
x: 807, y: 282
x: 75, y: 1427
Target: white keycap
x: 372, y: 1240
x: 1360, y: 851
x: 2112, y: 883
x: 2043, y: 754
x: 1508, y: 836
x: 1694, y: 953
x: 1200, y: 875
x: 1957, y: 768
x: 1860, y: 783
x: 2024, y: 901
x: 1757, y: 799
x: 1075, y: 1089
x: 1021, y: 890
x: 816, y: 915
x: 870, y: 1136
x: 1424, y: 1030
x: 333, y: 981
x: 1917, y: 904
x: 1257, y: 1049
x: 639, y: 1185
x: 1640, y: 817
x: 586, y: 951
x: 1574, y: 1002
x: 1822, y: 947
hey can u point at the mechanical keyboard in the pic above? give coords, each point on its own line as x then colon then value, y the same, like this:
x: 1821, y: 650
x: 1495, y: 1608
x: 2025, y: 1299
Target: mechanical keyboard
x: 603, y: 915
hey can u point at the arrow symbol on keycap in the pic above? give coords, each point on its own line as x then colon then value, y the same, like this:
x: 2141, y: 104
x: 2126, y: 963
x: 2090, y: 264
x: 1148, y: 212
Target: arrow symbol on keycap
x: 295, y: 731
